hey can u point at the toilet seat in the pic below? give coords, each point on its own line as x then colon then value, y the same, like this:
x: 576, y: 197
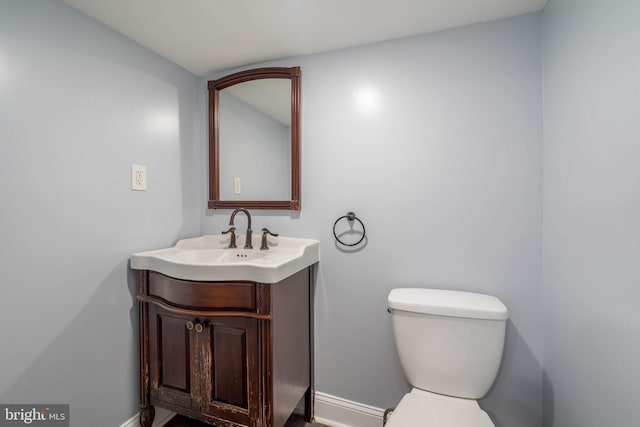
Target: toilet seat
x: 424, y: 409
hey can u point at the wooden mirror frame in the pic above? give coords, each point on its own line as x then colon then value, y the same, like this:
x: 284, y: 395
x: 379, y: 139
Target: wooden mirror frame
x: 215, y: 86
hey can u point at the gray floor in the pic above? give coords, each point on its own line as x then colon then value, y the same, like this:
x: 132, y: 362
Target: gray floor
x: 298, y: 421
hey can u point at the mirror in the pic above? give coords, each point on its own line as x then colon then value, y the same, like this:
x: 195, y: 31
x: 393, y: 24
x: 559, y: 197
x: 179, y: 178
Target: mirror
x: 254, y: 139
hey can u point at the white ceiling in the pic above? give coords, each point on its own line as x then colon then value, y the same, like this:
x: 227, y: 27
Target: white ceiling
x: 209, y: 35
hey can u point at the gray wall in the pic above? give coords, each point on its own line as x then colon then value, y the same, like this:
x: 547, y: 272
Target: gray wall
x: 444, y: 170
x: 78, y: 104
x: 591, y: 213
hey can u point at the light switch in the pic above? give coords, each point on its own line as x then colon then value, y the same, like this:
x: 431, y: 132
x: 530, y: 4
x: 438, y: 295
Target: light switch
x: 236, y: 185
x: 138, y: 177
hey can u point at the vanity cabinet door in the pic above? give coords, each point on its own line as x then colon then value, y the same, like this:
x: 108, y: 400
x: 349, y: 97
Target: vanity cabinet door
x: 205, y: 364
x: 229, y: 375
x: 170, y: 357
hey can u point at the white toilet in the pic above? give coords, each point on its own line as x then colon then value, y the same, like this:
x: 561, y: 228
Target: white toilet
x: 450, y: 346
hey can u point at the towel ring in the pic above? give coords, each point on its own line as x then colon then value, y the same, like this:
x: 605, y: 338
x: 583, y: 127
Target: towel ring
x: 350, y: 216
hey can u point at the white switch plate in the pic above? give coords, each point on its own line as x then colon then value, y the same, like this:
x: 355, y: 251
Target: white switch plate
x: 138, y: 177
x: 236, y: 185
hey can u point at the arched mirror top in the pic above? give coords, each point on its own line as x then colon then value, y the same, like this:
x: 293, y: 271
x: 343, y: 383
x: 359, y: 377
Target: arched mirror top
x: 254, y: 139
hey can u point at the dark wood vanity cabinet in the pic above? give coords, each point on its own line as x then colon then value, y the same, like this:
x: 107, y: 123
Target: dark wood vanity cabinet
x: 227, y: 353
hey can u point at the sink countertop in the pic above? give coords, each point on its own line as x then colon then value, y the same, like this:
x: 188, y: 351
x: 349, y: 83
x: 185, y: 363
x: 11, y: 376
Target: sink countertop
x: 208, y: 258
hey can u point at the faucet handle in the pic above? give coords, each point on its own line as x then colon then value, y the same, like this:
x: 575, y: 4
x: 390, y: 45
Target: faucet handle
x: 264, y: 245
x: 232, y: 242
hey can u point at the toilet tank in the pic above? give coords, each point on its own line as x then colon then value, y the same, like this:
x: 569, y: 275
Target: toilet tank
x: 448, y: 342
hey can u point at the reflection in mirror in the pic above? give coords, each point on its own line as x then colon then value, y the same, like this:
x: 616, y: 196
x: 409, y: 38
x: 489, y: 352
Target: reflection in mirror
x: 254, y: 140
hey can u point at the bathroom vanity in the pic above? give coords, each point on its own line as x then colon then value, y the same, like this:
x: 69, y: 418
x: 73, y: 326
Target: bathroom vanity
x: 230, y: 352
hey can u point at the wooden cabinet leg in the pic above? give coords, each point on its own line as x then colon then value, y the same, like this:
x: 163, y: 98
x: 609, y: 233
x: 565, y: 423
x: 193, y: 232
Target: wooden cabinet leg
x: 308, y: 405
x: 147, y: 414
x: 310, y: 394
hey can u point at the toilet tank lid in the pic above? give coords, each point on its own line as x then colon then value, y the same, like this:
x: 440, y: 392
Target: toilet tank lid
x: 447, y: 303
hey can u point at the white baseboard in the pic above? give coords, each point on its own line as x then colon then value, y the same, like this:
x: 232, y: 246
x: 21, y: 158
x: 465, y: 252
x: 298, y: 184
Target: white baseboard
x: 162, y: 417
x: 338, y: 412
x: 330, y: 410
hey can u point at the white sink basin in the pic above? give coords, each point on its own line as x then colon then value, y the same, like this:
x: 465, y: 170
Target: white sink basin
x: 209, y: 258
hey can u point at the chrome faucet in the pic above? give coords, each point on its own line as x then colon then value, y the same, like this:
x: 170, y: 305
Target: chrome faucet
x: 247, y: 241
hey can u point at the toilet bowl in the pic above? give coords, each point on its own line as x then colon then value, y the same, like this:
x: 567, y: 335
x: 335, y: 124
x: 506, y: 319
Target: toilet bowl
x: 450, y: 346
x: 424, y: 409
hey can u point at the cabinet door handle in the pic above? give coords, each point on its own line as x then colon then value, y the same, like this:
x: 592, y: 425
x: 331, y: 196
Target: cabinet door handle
x: 199, y: 327
x: 189, y: 325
